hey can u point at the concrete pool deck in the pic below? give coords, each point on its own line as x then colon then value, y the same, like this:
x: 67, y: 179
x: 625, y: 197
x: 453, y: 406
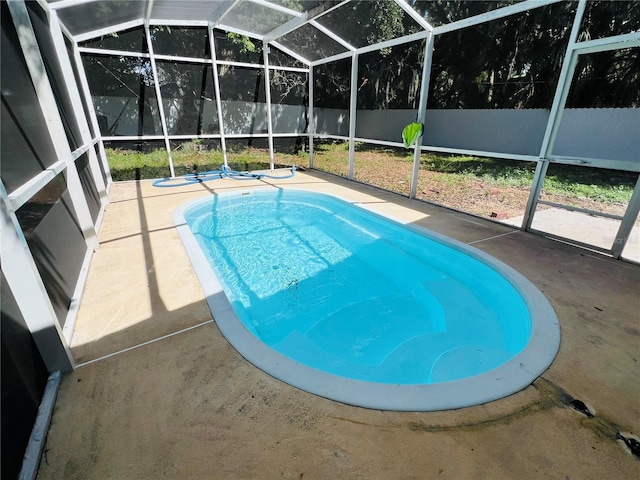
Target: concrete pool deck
x: 159, y: 393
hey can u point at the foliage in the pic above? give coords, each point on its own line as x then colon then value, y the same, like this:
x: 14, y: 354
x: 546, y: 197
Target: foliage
x: 390, y: 78
x: 607, y: 79
x: 332, y: 84
x: 515, y: 62
x: 242, y: 41
x: 512, y: 62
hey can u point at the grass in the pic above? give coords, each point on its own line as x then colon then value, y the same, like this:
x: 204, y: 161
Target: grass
x: 601, y: 185
x: 598, y: 184
x: 136, y: 165
x: 377, y: 165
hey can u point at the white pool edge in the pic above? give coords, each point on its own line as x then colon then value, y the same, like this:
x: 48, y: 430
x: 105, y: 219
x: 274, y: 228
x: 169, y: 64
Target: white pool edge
x: 507, y: 379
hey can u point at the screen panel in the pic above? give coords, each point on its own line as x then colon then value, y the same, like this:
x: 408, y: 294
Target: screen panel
x: 331, y: 93
x: 289, y: 101
x: 56, y: 242
x: 310, y: 43
x: 438, y: 13
x: 55, y: 74
x: 188, y: 98
x: 255, y: 18
x: 281, y: 59
x: 601, y: 119
x: 361, y: 23
x: 180, y: 41
x: 242, y: 91
x: 123, y: 95
x: 130, y: 40
x: 24, y: 377
x: 578, y: 202
x: 231, y: 47
x: 492, y: 85
x: 87, y: 17
x: 606, y: 19
x: 26, y: 146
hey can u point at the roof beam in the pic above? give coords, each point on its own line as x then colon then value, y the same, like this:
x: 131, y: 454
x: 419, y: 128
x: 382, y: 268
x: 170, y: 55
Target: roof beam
x: 178, y: 23
x: 107, y: 30
x: 219, y: 13
x: 306, y: 17
x: 415, y: 15
x: 68, y: 3
x: 279, y: 8
x: 291, y: 53
x: 395, y: 41
x: 493, y: 15
x: 239, y: 31
x: 149, y: 10
x: 627, y: 40
x: 332, y: 36
x: 333, y: 58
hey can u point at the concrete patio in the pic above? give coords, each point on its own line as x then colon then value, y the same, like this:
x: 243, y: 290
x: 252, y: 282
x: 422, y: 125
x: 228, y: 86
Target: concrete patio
x: 159, y: 393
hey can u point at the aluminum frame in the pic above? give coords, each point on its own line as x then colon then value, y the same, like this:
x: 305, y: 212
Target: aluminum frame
x: 79, y: 116
x: 573, y: 51
x: 18, y: 264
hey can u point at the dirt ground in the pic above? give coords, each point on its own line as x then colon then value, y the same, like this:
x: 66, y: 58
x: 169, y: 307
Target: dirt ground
x: 465, y: 193
x: 486, y: 200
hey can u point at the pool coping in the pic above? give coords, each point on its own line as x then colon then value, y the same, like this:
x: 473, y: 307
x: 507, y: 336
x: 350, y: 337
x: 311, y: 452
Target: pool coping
x: 507, y: 379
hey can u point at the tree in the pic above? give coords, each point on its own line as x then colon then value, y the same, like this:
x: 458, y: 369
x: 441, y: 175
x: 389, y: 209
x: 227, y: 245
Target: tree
x: 512, y: 62
x: 607, y: 79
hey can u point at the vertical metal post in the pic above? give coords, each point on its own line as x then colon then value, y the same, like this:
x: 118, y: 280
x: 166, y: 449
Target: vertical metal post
x: 536, y: 188
x: 84, y: 83
x: 74, y: 95
x: 422, y: 111
x: 555, y: 116
x: 311, y: 119
x: 267, y: 92
x: 624, y: 231
x: 352, y: 114
x: 163, y: 120
x: 216, y: 86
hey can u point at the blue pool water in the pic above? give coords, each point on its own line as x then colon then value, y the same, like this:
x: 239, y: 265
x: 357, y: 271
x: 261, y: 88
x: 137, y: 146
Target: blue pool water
x: 341, y: 290
x: 352, y: 306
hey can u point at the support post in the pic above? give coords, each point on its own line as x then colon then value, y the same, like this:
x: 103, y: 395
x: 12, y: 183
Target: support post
x: 352, y: 114
x: 555, y: 116
x: 163, y: 120
x: 628, y: 222
x: 73, y: 92
x: 422, y: 112
x: 216, y: 87
x: 310, y: 116
x: 267, y: 92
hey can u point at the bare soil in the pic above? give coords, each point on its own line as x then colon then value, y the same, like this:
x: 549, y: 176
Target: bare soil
x: 464, y: 192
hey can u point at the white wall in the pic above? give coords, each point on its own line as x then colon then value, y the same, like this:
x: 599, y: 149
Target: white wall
x: 606, y: 133
x: 599, y: 133
x: 503, y: 131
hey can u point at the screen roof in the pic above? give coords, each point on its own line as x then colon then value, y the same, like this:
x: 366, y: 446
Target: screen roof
x: 311, y: 29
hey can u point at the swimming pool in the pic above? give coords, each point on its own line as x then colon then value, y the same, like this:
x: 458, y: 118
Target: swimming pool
x: 352, y: 306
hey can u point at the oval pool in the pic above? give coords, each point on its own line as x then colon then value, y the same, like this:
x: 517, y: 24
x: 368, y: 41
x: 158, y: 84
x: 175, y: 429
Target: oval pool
x: 352, y: 306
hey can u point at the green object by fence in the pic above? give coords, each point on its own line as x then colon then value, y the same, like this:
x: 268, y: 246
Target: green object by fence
x: 411, y: 133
